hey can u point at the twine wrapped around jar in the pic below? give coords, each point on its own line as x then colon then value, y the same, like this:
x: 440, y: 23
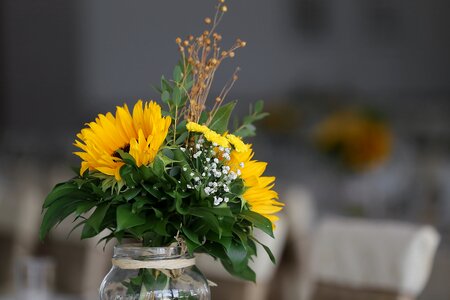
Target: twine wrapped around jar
x: 167, y: 264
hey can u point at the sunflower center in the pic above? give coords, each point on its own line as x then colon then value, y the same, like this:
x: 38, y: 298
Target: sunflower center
x: 125, y: 149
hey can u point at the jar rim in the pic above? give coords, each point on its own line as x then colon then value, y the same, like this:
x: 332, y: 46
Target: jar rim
x: 137, y: 251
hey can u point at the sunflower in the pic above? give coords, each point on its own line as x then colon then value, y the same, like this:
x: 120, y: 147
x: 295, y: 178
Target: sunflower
x: 259, y: 194
x: 141, y: 134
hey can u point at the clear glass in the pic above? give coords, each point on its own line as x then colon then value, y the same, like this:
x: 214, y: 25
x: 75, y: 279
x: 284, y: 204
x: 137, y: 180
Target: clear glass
x: 152, y: 284
x: 34, y: 278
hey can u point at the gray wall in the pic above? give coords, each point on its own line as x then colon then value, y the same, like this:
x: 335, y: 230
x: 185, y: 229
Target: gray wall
x: 371, y: 46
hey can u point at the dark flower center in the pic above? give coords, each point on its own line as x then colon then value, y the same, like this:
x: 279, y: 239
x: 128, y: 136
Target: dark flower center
x: 125, y: 148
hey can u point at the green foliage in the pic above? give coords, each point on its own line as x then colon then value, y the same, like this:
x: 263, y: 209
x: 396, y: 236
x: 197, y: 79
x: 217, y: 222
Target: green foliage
x: 153, y: 207
x: 219, y: 122
x: 247, y: 128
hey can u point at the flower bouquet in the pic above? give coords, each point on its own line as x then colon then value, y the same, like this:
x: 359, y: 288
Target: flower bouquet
x: 178, y: 180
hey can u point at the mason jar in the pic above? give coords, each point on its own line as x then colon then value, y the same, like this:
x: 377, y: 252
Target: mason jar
x: 153, y: 273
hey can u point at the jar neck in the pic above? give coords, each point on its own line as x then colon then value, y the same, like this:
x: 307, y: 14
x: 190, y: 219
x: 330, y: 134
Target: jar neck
x: 137, y: 252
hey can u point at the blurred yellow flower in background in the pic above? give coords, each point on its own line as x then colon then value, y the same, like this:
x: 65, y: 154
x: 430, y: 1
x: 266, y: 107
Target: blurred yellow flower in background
x: 357, y: 139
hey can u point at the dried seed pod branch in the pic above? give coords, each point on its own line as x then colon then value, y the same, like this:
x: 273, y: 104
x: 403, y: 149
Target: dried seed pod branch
x: 204, y: 56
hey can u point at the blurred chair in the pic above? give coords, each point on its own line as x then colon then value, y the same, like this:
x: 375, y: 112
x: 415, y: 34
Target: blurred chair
x: 301, y: 213
x: 356, y: 259
x: 263, y: 267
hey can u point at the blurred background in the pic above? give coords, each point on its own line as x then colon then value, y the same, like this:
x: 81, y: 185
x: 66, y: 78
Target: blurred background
x: 359, y: 98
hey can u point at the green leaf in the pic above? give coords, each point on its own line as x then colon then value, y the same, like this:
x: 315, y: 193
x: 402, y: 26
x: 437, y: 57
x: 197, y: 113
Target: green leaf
x: 165, y: 96
x: 154, y: 282
x: 209, y: 219
x: 215, y: 250
x: 152, y: 190
x: 60, y: 191
x: 179, y: 204
x: 258, y: 221
x: 158, y: 166
x: 203, y: 117
x: 268, y: 251
x: 246, y: 273
x: 191, y: 235
x: 165, y: 85
x: 126, y: 219
x: 126, y: 157
x: 96, y: 219
x: 225, y: 241
x: 85, y: 207
x: 246, y: 131
x: 176, y: 96
x: 58, y: 211
x: 238, y: 255
x: 177, y: 74
x: 88, y: 232
x: 219, y: 123
x: 259, y: 106
x: 218, y: 211
x: 191, y: 246
x: 131, y: 193
x: 182, y: 138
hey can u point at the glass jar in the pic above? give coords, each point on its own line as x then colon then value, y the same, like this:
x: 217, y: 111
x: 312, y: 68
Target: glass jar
x: 153, y: 273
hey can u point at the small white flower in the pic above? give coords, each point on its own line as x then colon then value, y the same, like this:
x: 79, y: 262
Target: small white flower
x: 215, y: 144
x: 216, y: 160
x: 182, y: 149
x: 184, y: 169
x: 192, y: 174
x: 208, y: 159
x: 197, y: 178
x: 226, y: 188
x: 241, y: 164
x: 198, y: 146
x: 226, y: 199
x: 238, y: 172
x: 217, y: 200
x: 221, y: 149
x: 203, y: 174
x: 207, y: 190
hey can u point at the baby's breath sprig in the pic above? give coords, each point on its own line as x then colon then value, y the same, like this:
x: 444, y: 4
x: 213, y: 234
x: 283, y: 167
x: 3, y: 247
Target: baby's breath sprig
x: 204, y: 55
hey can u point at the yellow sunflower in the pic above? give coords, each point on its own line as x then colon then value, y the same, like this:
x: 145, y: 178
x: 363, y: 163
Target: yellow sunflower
x: 259, y: 194
x: 141, y: 134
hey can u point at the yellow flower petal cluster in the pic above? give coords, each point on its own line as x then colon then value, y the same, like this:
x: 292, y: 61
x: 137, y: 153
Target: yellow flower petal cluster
x: 237, y: 142
x: 209, y: 134
x: 141, y: 134
x: 259, y: 194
